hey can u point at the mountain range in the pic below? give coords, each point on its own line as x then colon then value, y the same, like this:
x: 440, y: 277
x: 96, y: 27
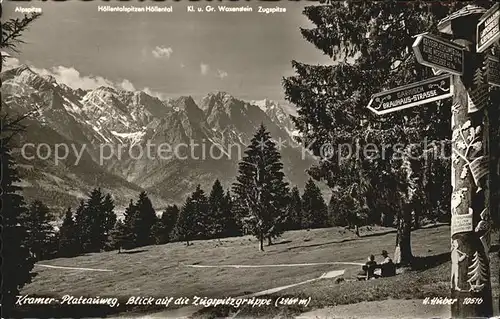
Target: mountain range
x: 105, y: 129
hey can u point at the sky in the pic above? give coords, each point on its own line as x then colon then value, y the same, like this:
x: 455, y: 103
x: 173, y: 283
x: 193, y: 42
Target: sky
x: 168, y: 54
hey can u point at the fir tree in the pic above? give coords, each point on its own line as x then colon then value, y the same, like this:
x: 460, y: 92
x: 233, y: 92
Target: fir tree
x: 158, y: 233
x: 344, y: 211
x: 163, y: 229
x: 68, y: 240
x: 145, y: 219
x: 94, y: 212
x: 295, y: 210
x: 121, y: 237
x: 231, y: 225
x: 332, y: 209
x: 186, y: 223
x: 38, y: 221
x: 373, y: 54
x: 260, y: 188
x: 199, y: 204
x: 130, y: 217
x: 109, y: 215
x: 16, y: 269
x: 82, y: 226
x: 217, y: 218
x: 314, y: 210
x: 169, y: 219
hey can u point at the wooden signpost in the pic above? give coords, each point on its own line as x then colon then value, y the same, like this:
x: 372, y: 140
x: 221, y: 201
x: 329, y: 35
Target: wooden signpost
x: 423, y: 92
x: 439, y: 54
x: 488, y: 29
x: 468, y: 83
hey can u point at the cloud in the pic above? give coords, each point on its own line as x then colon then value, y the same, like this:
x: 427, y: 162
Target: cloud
x: 222, y: 74
x: 162, y: 52
x: 127, y: 85
x: 204, y: 68
x: 161, y: 96
x: 72, y: 77
x: 10, y: 63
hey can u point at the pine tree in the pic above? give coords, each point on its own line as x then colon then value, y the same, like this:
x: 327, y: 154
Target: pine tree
x: 231, y: 224
x: 169, y: 219
x: 82, y: 226
x: 38, y: 221
x: 332, y: 210
x: 158, y: 233
x: 371, y: 55
x: 68, y: 241
x: 16, y: 269
x: 186, y: 223
x: 260, y: 189
x: 146, y: 218
x: 199, y: 204
x: 295, y: 210
x: 217, y: 222
x: 121, y: 237
x: 344, y: 210
x: 109, y: 215
x: 130, y: 224
x: 314, y: 210
x: 163, y: 229
x: 95, y: 220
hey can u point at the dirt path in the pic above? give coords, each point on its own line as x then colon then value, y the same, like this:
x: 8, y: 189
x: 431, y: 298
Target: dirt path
x: 71, y: 268
x: 276, y: 265
x: 394, y: 309
x: 187, y: 312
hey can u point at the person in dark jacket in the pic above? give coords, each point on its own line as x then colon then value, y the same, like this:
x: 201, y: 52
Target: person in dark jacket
x: 387, y: 267
x: 368, y: 269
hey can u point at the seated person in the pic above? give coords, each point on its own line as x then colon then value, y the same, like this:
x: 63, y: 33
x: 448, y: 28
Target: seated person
x: 368, y: 269
x: 387, y: 267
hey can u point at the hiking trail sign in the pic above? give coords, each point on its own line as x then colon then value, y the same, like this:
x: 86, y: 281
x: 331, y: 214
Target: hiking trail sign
x: 418, y: 93
x: 440, y: 54
x: 488, y: 28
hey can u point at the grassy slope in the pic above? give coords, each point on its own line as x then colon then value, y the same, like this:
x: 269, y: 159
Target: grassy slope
x: 161, y: 270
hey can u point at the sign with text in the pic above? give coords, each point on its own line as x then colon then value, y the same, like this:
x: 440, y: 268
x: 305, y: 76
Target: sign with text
x: 488, y: 28
x: 461, y: 223
x: 430, y: 90
x: 493, y: 71
x: 440, y: 54
x: 479, y: 168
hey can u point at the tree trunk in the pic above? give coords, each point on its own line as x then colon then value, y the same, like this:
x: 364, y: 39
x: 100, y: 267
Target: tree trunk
x: 269, y: 241
x: 356, y: 229
x: 402, y: 253
x: 261, y: 241
x: 416, y: 221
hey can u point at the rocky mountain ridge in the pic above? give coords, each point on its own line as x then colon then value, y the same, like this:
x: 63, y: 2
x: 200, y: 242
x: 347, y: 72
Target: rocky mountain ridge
x: 99, y: 120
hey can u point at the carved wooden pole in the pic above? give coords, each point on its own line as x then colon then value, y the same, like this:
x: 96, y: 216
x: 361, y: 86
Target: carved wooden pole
x: 470, y: 219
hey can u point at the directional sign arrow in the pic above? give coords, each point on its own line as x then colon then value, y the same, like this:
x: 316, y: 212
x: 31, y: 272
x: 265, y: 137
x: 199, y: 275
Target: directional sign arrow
x: 418, y: 93
x: 488, y: 28
x: 438, y: 53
